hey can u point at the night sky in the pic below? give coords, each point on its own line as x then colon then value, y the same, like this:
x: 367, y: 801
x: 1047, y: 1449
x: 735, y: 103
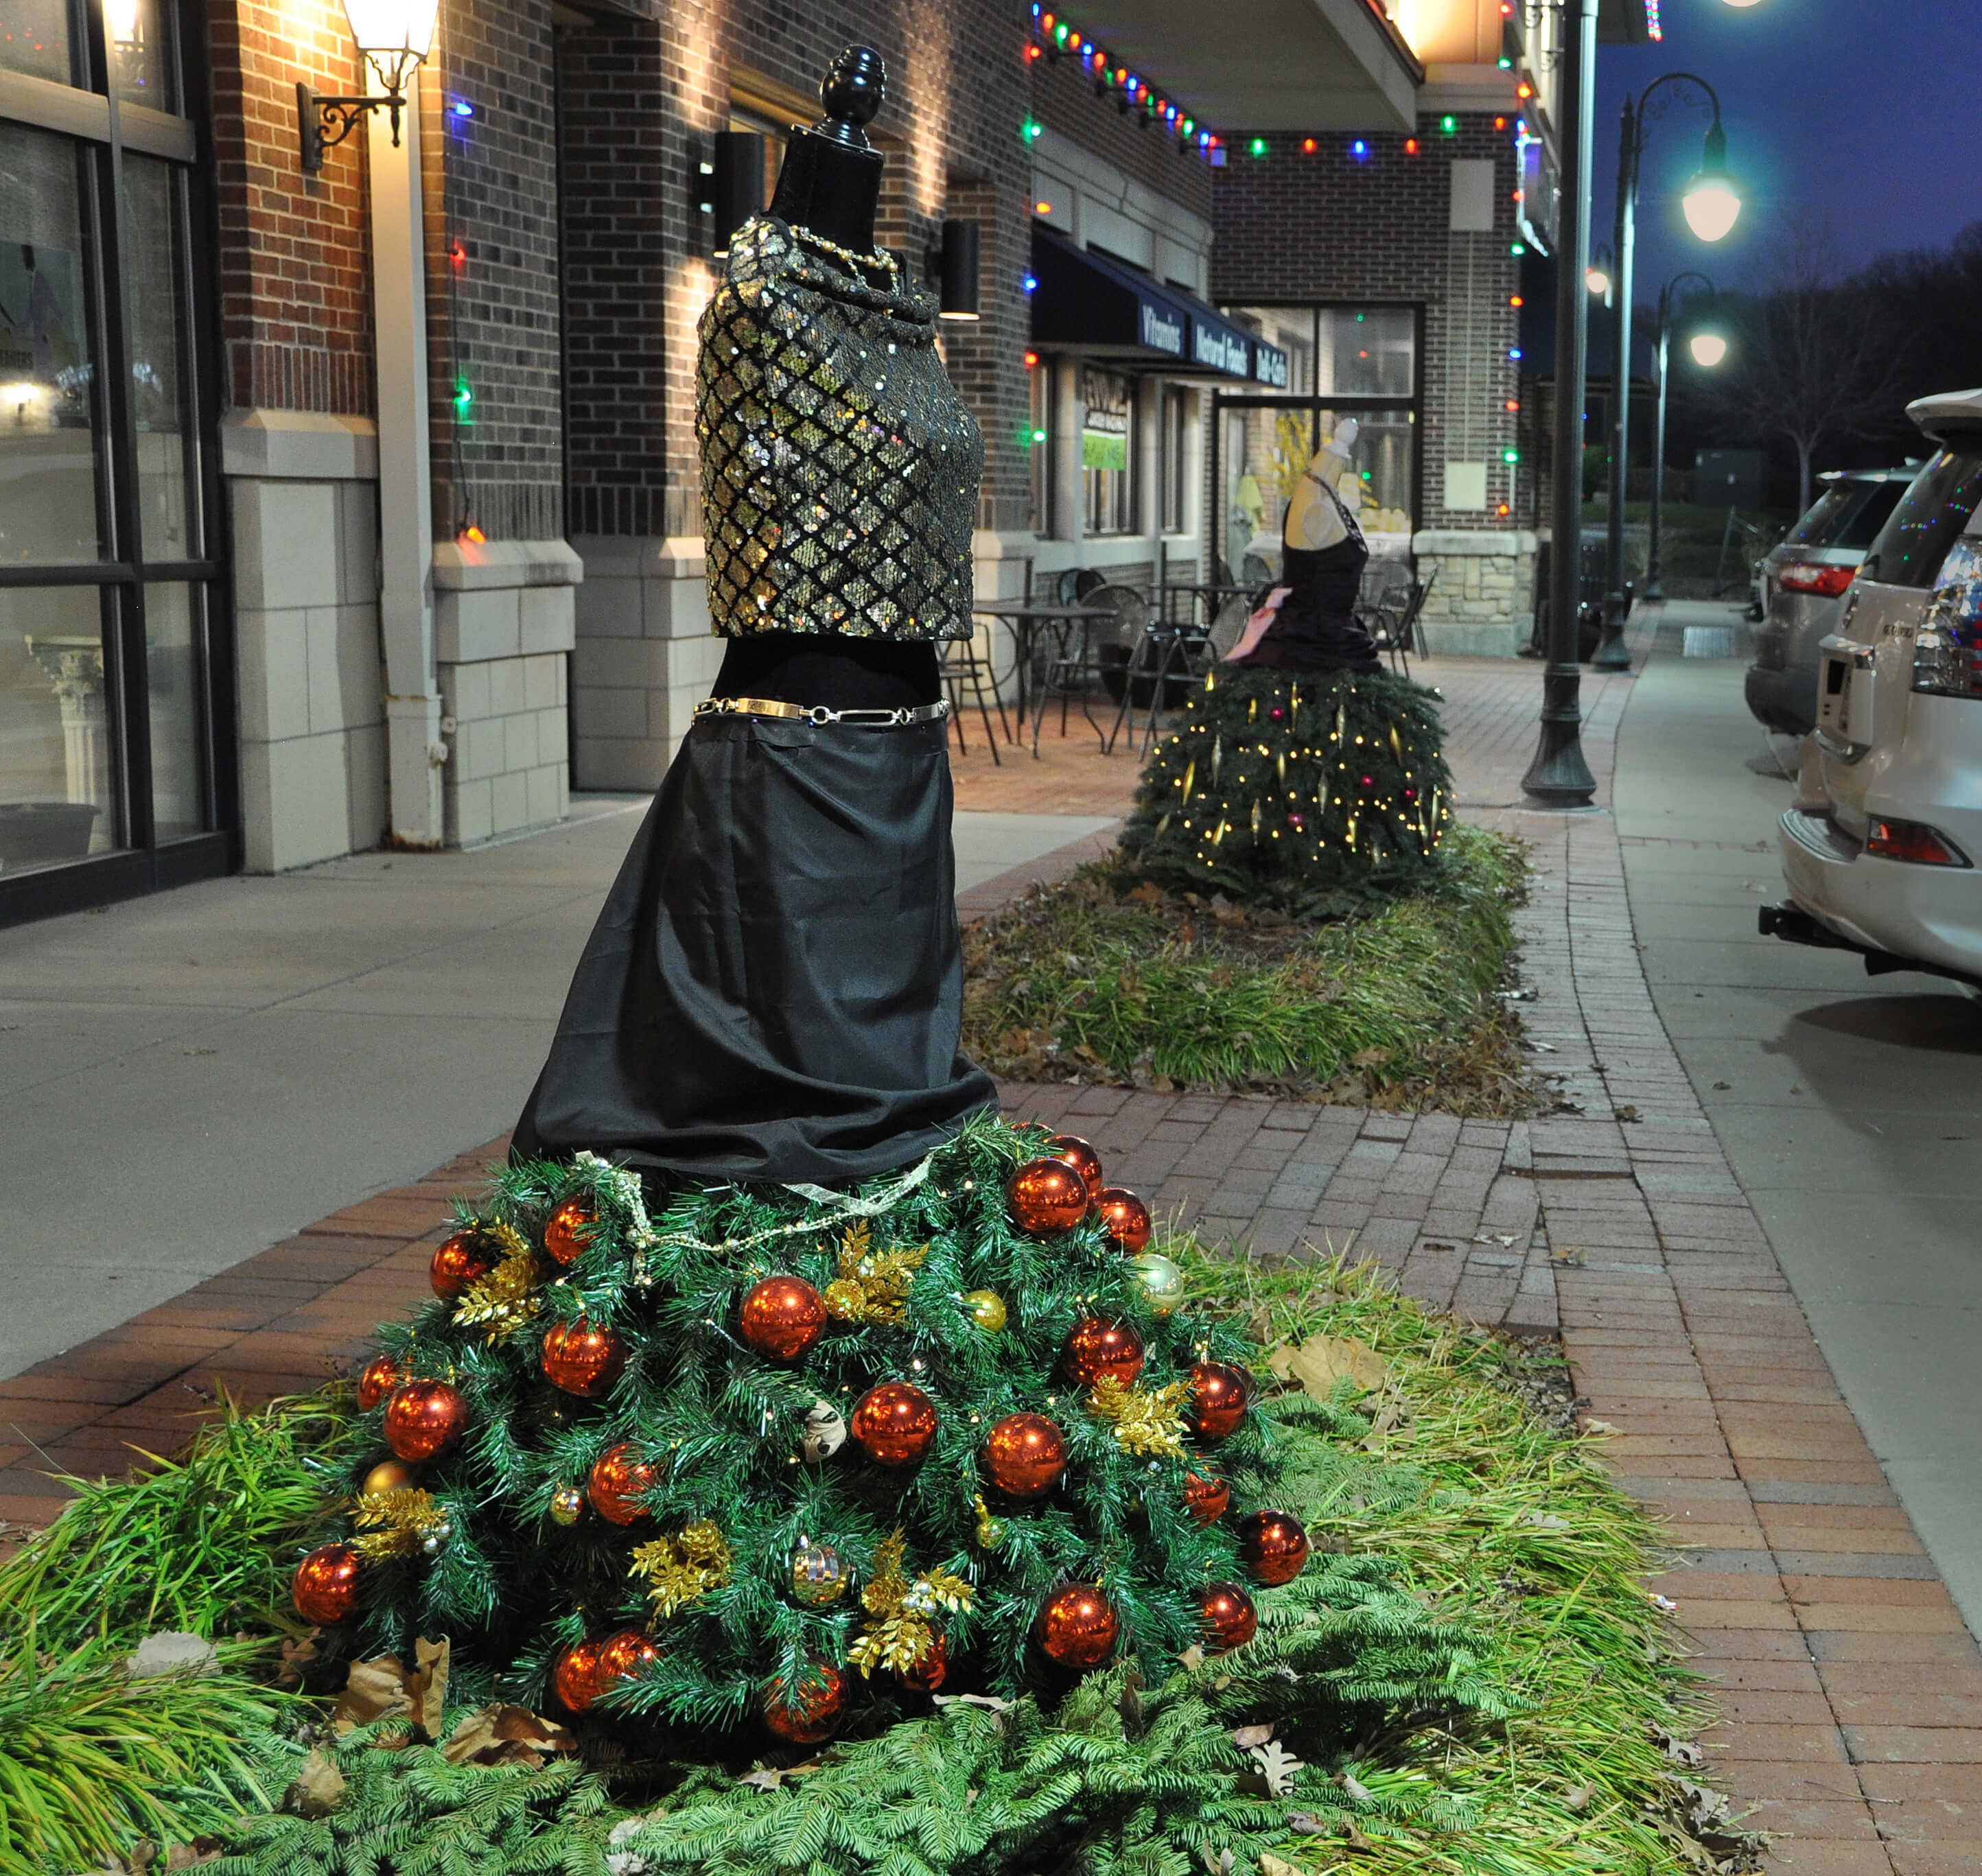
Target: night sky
x: 1865, y: 110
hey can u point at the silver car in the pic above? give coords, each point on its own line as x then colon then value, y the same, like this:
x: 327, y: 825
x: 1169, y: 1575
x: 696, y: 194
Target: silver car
x: 1803, y: 584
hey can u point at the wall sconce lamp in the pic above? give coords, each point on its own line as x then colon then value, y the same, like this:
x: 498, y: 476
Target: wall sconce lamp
x: 952, y: 264
x: 730, y: 186
x: 394, y: 36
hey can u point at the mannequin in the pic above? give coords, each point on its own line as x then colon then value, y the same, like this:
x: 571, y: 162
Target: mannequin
x: 830, y: 183
x: 1309, y: 624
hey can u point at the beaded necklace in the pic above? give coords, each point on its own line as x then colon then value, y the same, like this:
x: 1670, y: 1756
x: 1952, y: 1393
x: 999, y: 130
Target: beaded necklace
x: 880, y: 258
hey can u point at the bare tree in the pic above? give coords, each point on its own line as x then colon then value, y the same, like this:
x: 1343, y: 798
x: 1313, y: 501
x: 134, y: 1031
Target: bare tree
x: 1814, y: 360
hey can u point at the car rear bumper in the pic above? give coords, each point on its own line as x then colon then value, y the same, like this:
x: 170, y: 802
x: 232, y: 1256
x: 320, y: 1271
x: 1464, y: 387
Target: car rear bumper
x: 1783, y: 701
x: 1930, y: 914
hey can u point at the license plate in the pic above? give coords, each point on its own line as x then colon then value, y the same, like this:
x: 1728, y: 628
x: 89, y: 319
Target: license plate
x: 1844, y: 698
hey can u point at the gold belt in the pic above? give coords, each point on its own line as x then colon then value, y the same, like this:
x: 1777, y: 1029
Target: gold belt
x: 819, y: 714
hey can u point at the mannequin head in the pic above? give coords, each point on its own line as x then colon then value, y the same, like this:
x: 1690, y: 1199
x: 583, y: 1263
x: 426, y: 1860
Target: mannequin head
x: 1334, y: 463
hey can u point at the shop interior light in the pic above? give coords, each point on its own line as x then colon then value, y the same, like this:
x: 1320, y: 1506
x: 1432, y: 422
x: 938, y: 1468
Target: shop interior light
x: 120, y: 21
x: 393, y: 36
x: 1708, y: 348
x: 1597, y: 281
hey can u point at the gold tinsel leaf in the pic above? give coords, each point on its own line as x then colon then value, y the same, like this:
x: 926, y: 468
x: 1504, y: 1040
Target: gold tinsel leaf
x: 899, y: 1641
x: 886, y: 1585
x: 900, y: 1635
x: 396, y: 1523
x: 1146, y: 1421
x: 681, y: 1569
x: 506, y: 1299
x: 872, y: 1286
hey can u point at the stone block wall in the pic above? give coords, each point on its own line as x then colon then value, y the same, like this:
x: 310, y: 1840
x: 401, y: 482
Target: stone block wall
x: 1482, y: 603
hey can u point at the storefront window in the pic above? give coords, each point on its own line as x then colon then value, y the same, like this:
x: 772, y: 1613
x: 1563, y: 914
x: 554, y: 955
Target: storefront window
x: 34, y: 39
x: 155, y: 319
x: 56, y: 732
x: 1108, y: 452
x: 1177, y: 413
x: 141, y: 55
x: 1040, y: 377
x: 48, y: 402
x: 1341, y: 352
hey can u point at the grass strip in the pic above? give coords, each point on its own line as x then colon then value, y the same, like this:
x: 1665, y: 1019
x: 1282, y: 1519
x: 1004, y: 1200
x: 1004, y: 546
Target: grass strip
x: 1104, y: 977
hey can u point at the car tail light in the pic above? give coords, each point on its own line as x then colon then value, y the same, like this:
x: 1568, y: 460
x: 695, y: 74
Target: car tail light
x: 1914, y: 840
x: 1826, y: 582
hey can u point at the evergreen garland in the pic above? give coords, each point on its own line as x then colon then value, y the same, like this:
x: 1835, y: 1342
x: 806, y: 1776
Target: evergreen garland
x: 724, y: 1428
x: 1317, y: 793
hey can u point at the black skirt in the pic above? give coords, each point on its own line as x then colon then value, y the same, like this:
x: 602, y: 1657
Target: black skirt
x: 774, y: 990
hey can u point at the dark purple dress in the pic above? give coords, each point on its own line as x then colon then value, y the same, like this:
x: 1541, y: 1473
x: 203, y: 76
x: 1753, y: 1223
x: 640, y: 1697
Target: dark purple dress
x: 1315, y: 628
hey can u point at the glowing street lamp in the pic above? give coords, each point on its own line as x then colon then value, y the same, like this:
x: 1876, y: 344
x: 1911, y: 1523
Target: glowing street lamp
x: 1708, y: 348
x: 393, y: 36
x: 1712, y: 206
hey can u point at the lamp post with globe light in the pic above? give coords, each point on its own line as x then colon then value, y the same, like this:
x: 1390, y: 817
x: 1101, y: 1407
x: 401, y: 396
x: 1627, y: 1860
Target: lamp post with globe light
x: 1708, y: 348
x: 1712, y: 204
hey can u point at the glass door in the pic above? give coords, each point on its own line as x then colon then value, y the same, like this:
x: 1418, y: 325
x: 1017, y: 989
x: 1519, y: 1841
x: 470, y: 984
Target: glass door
x: 110, y: 781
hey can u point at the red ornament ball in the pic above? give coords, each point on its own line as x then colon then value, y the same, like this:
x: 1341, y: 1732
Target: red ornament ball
x: 809, y: 1712
x: 1125, y: 1218
x: 894, y: 1423
x: 621, y: 1656
x: 464, y: 1259
x: 782, y: 1316
x: 575, y: 1675
x: 619, y: 1477
x: 381, y: 1376
x: 1077, y: 1626
x: 566, y: 1229
x: 582, y: 1358
x: 931, y: 1670
x: 425, y: 1419
x: 1081, y: 1157
x: 1047, y: 1196
x: 1097, y: 1347
x: 1218, y: 1394
x: 1230, y: 1619
x: 1273, y: 1546
x: 1206, y: 1497
x: 326, y: 1584
x: 1025, y: 1453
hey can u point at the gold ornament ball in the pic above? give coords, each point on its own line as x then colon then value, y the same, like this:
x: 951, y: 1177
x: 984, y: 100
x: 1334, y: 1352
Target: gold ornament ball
x: 567, y: 1229
x: 464, y: 1259
x: 986, y: 1309
x: 621, y: 1656
x: 1098, y: 1346
x: 582, y: 1358
x: 388, y: 1475
x: 1273, y: 1546
x: 381, y: 1376
x: 1218, y: 1394
x: 1077, y: 1626
x: 811, y: 1712
x: 567, y: 1505
x: 575, y: 1675
x: 894, y: 1424
x: 1163, y: 1280
x: 619, y: 1476
x: 1081, y: 1157
x: 326, y: 1584
x: 1206, y: 1497
x: 1026, y: 1454
x: 782, y: 1317
x: 425, y: 1419
x: 1228, y: 1615
x: 1125, y: 1218
x: 1047, y: 1196
x: 819, y: 1575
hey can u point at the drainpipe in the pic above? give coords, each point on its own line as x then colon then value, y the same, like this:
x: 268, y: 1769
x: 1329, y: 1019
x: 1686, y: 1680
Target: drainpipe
x: 414, y: 750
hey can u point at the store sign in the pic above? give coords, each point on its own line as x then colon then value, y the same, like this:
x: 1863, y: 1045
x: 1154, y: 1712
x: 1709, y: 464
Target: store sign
x: 1163, y: 331
x: 1104, y: 426
x: 1218, y: 348
x: 1269, y: 364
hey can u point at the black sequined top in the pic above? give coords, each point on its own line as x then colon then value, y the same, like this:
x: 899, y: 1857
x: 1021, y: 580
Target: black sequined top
x: 839, y: 469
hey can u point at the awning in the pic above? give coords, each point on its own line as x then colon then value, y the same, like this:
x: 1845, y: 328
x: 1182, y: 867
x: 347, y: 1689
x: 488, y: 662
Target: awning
x: 1086, y: 302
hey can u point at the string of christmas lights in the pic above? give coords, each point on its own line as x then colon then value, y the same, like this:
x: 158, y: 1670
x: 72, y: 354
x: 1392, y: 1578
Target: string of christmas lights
x: 1054, y: 39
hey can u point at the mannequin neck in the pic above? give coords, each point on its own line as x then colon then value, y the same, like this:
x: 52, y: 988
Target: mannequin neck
x: 829, y: 188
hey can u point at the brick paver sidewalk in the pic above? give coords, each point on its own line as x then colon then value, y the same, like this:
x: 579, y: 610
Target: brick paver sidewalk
x: 1851, y: 1692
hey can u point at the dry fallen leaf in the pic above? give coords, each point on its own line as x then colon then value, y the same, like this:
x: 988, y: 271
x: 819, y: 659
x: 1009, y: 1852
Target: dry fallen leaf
x: 1277, y: 1767
x: 1680, y: 1751
x: 385, y: 1688
x: 1252, y: 1735
x: 502, y: 1734
x: 1598, y: 1426
x: 315, y: 1791
x: 1322, y: 1360
x: 297, y: 1656
x: 1271, y: 1865
x: 1191, y: 1659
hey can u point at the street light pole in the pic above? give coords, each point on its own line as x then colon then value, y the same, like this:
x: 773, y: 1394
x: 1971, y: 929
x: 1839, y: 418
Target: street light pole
x: 1559, y: 777
x: 1654, y: 573
x: 1612, y: 653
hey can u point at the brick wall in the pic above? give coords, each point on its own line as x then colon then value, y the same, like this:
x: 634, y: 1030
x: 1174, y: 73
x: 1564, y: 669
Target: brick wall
x: 1063, y: 99
x: 295, y: 285
x: 1322, y: 226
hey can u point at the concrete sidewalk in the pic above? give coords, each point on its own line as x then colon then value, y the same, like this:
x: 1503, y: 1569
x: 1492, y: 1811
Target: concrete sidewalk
x: 1851, y: 1691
